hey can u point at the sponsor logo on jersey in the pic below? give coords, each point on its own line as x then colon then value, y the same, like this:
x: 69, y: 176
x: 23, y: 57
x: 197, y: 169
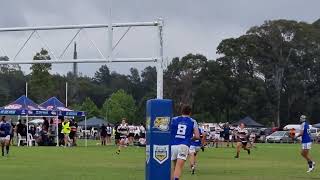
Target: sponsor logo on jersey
x: 160, y: 153
x: 162, y: 123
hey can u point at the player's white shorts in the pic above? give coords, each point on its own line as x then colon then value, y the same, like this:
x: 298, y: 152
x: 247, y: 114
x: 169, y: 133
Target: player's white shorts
x: 217, y: 136
x: 306, y: 145
x: 7, y: 138
x: 179, y: 152
x: 230, y: 137
x: 194, y: 149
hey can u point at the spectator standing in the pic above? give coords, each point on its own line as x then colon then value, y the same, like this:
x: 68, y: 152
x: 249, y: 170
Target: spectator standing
x: 103, y: 134
x: 226, y: 133
x: 109, y: 133
x: 142, y: 131
x: 73, y: 132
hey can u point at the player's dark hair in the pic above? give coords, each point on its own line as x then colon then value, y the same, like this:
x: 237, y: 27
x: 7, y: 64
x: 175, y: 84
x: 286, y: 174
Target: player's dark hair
x: 186, y: 110
x: 3, y: 118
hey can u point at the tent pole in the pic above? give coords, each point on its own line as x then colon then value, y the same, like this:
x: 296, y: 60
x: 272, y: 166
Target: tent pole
x: 26, y: 89
x: 27, y: 138
x: 85, y: 128
x: 57, y: 131
x: 66, y: 94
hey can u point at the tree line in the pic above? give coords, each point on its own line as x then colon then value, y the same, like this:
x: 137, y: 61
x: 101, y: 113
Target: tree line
x: 270, y: 73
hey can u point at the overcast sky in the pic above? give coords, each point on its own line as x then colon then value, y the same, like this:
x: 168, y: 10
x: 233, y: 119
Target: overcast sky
x: 191, y: 26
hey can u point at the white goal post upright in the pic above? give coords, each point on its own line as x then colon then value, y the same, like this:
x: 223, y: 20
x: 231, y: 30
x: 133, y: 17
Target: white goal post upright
x: 109, y: 59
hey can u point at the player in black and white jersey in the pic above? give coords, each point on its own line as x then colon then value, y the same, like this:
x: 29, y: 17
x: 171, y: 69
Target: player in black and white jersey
x: 131, y: 133
x: 252, y: 139
x: 242, y: 138
x: 123, y: 130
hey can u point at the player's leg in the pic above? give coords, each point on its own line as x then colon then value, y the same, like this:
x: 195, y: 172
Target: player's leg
x: 174, y: 157
x: 195, y: 161
x: 192, y: 156
x: 75, y: 139
x: 305, y: 153
x: 7, y: 144
x: 2, y: 146
x: 121, y: 144
x: 178, y: 169
x: 66, y: 140
x: 173, y: 164
x: 245, y: 147
x: 217, y: 140
x: 233, y: 139
x: 238, y: 148
x: 227, y: 139
x: 108, y: 139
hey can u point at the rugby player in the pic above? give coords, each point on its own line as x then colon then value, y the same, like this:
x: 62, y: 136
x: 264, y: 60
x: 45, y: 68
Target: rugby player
x: 217, y: 136
x: 195, y: 147
x: 242, y: 137
x: 306, y: 142
x: 123, y: 130
x: 5, y: 131
x: 184, y: 129
x: 252, y: 139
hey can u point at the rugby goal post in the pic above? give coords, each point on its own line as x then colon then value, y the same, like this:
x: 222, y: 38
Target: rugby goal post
x: 158, y: 24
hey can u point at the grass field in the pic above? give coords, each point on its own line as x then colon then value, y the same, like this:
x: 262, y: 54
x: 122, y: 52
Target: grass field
x: 268, y: 161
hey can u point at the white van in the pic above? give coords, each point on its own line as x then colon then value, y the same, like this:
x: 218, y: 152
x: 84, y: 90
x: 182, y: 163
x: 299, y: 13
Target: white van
x: 313, y: 131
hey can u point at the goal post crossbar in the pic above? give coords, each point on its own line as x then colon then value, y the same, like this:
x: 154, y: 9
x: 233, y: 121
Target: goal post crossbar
x: 159, y: 24
x: 82, y: 26
x: 66, y: 61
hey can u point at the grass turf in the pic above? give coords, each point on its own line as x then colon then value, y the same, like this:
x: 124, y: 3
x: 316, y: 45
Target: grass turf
x: 267, y: 162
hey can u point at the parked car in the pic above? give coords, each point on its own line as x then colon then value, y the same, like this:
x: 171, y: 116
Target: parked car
x: 279, y: 137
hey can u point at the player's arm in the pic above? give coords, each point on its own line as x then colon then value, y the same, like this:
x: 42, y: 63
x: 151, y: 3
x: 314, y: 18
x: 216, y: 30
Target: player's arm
x: 301, y: 131
x: 196, y: 134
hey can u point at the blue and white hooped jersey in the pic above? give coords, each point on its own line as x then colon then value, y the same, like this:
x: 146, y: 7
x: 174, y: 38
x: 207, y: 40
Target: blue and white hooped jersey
x: 5, y: 128
x: 182, y: 130
x: 306, y: 136
x: 198, y: 142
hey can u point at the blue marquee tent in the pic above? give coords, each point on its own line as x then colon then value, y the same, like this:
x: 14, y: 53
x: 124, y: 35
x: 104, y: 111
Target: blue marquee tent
x: 24, y: 106
x: 54, y: 105
x: 57, y: 107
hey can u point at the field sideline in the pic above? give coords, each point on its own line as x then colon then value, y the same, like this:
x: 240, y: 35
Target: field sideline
x: 267, y: 162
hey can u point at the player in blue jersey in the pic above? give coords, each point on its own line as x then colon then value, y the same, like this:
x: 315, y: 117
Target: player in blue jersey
x: 195, y: 147
x: 184, y: 129
x: 5, y: 131
x: 306, y: 142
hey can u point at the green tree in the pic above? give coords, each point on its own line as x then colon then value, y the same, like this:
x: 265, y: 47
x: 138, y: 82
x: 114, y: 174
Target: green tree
x: 102, y: 76
x: 280, y: 53
x: 181, y: 78
x: 121, y: 105
x: 90, y: 108
x: 12, y: 82
x: 41, y: 86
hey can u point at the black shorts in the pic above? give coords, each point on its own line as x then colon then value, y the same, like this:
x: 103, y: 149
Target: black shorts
x: 226, y: 137
x: 109, y: 135
x: 131, y: 135
x: 72, y: 134
x: 117, y: 136
x: 103, y: 134
x: 244, y: 143
x: 143, y: 135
